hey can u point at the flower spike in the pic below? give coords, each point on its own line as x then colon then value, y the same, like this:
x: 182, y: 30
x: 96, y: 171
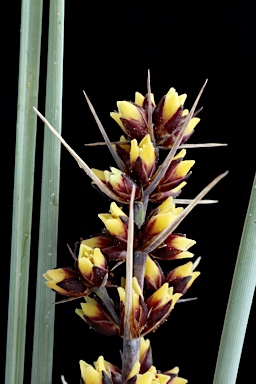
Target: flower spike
x: 137, y: 238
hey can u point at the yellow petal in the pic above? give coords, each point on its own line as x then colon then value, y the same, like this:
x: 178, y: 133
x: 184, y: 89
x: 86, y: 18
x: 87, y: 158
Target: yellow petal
x: 100, y: 364
x: 98, y: 173
x: 182, y: 99
x: 57, y: 274
x: 182, y: 243
x: 162, y: 296
x: 179, y: 187
x: 91, y: 309
x: 144, y: 346
x: 135, y: 370
x: 139, y: 99
x: 151, y: 269
x: 183, y: 168
x: 116, y: 116
x: 166, y: 205
x: 52, y: 285
x: 184, y: 255
x: 147, y: 151
x: 114, y: 226
x: 115, y: 210
x: 121, y: 293
x: 162, y: 379
x: 171, y: 104
x: 146, y: 378
x: 183, y: 270
x: 191, y: 126
x: 182, y: 154
x: 128, y: 110
x: 134, y: 151
x: 89, y: 374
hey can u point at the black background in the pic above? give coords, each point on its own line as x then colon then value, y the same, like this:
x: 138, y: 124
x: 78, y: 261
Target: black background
x: 109, y: 46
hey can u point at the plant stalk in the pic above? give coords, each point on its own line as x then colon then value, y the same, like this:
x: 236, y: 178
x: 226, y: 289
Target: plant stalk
x: 240, y: 300
x: 49, y: 211
x: 29, y: 63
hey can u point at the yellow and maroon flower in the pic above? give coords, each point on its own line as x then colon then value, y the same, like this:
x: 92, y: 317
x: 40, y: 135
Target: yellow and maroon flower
x: 174, y: 247
x: 168, y: 118
x: 92, y: 266
x: 153, y: 376
x: 99, y: 374
x: 139, y: 159
x: 154, y: 277
x: 174, y: 178
x: 182, y: 277
x: 65, y: 281
x: 97, y: 317
x: 160, y: 305
x: 116, y: 223
x: 146, y: 359
x: 103, y: 372
x: 160, y: 218
x: 107, y: 246
x: 132, y: 119
x: 139, y: 307
x: 118, y: 182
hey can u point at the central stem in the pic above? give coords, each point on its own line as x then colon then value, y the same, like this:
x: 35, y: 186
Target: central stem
x: 135, y: 266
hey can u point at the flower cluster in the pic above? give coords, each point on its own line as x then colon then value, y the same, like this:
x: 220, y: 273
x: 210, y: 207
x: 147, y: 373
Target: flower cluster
x: 142, y: 188
x: 143, y: 371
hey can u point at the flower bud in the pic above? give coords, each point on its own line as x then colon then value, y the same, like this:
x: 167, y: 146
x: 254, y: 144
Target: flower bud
x: 92, y: 266
x: 139, y: 159
x: 65, y: 281
x: 154, y: 276
x: 182, y: 277
x: 159, y: 305
x: 142, y: 160
x: 117, y: 182
x: 107, y: 247
x: 115, y: 221
x: 145, y: 355
x: 139, y: 308
x: 97, y: 375
x: 174, y: 247
x: 169, y: 117
x: 97, y: 317
x: 173, y: 180
x: 161, y: 218
x: 132, y: 119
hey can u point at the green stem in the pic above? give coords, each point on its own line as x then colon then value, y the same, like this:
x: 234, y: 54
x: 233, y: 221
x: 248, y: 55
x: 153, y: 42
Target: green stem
x: 49, y: 212
x: 30, y: 43
x: 240, y: 300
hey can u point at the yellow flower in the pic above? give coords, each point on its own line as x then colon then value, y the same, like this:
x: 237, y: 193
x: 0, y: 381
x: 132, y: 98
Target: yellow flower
x: 153, y: 275
x: 164, y: 215
x: 132, y: 119
x: 159, y: 305
x: 115, y: 221
x: 92, y: 265
x: 118, y: 182
x: 168, y: 118
x: 174, y: 178
x: 182, y: 277
x: 97, y: 317
x: 93, y: 375
x: 174, y: 247
x: 65, y: 281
